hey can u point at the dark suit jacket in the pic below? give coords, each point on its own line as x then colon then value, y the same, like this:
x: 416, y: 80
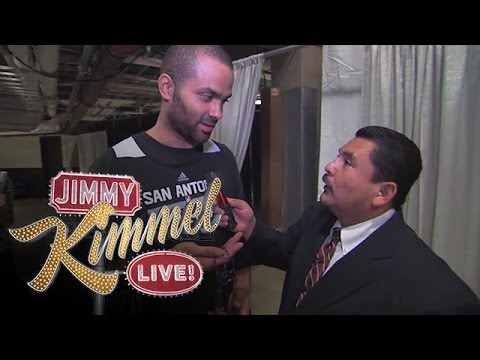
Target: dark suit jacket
x: 391, y: 272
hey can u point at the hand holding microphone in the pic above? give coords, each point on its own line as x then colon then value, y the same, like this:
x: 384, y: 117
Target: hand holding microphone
x: 223, y: 203
x: 240, y: 214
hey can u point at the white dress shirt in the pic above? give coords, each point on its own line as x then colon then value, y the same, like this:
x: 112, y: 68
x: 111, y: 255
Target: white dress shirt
x: 352, y: 236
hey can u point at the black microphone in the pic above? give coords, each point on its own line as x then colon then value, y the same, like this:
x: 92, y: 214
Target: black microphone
x: 222, y: 202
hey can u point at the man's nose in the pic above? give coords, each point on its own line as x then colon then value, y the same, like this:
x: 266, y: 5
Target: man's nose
x: 216, y: 110
x: 330, y: 168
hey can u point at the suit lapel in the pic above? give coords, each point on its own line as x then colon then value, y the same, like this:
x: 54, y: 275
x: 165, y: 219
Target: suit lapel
x: 350, y: 273
x: 353, y: 271
x: 302, y: 261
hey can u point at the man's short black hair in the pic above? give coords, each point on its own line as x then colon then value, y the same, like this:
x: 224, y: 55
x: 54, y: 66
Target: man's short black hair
x: 396, y: 158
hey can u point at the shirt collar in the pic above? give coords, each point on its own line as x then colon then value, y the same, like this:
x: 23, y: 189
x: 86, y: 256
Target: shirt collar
x: 352, y: 236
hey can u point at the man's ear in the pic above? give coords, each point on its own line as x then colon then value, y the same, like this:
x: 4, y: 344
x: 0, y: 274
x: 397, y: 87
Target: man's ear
x: 386, y: 193
x: 166, y: 86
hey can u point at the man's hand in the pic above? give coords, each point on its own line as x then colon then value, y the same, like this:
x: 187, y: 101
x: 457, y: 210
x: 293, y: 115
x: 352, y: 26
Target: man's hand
x: 239, y: 300
x: 211, y: 256
x: 243, y: 216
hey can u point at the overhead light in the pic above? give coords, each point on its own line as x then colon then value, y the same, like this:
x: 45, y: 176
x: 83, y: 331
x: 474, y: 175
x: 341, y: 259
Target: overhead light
x: 258, y: 102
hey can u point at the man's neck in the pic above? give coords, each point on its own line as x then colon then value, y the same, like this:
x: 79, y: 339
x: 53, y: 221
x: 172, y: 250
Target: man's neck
x: 167, y: 136
x: 361, y: 217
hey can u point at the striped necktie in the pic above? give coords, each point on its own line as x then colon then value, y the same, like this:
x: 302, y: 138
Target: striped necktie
x: 320, y: 263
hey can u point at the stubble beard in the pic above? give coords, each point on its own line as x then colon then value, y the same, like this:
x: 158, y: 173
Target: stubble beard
x: 178, y: 117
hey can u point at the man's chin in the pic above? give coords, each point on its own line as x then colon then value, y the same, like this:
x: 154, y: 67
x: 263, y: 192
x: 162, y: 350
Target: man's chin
x: 203, y: 138
x: 200, y: 136
x: 324, y: 199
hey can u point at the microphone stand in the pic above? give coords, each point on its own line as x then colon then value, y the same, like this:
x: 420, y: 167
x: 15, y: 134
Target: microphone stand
x: 98, y: 299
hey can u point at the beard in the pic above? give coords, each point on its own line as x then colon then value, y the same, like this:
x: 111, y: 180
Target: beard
x: 185, y: 123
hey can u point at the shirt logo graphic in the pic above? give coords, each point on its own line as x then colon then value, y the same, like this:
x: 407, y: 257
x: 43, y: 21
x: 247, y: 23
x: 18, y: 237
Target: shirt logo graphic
x: 182, y: 177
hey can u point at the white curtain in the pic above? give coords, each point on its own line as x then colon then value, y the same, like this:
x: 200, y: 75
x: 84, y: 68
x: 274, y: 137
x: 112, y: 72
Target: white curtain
x: 89, y: 147
x: 431, y: 94
x: 234, y: 128
x: 342, y: 79
x: 69, y: 145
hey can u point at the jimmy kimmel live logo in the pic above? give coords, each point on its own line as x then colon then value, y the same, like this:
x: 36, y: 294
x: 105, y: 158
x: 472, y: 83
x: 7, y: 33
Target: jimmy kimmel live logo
x: 76, y: 193
x: 161, y: 273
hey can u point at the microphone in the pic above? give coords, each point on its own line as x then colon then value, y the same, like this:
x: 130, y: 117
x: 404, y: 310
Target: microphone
x: 223, y: 203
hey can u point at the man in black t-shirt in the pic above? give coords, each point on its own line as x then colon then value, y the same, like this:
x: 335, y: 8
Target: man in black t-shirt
x: 172, y: 162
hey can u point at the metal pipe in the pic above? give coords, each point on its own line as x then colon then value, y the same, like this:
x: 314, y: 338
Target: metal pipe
x: 87, y: 54
x: 48, y: 57
x: 107, y: 67
x: 98, y: 299
x: 282, y: 50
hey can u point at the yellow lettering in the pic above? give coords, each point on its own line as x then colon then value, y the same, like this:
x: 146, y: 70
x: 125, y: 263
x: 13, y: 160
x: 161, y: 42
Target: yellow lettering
x: 102, y: 283
x: 212, y: 193
x: 189, y: 213
x: 98, y: 216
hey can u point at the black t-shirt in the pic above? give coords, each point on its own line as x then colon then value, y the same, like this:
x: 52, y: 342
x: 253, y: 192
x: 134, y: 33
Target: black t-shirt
x: 169, y: 177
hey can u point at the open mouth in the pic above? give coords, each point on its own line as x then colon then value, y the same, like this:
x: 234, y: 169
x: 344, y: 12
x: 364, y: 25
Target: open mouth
x: 324, y: 179
x: 327, y: 186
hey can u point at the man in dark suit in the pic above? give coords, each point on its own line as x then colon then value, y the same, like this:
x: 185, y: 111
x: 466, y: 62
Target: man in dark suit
x: 378, y: 265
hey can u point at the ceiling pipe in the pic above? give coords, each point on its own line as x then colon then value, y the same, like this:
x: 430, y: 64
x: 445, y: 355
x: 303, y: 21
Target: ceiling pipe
x: 109, y: 62
x: 26, y: 110
x: 86, y: 58
x: 21, y: 56
x: 48, y: 57
x: 22, y: 60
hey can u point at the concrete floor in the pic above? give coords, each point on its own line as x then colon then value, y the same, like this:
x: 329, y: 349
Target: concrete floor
x: 266, y: 282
